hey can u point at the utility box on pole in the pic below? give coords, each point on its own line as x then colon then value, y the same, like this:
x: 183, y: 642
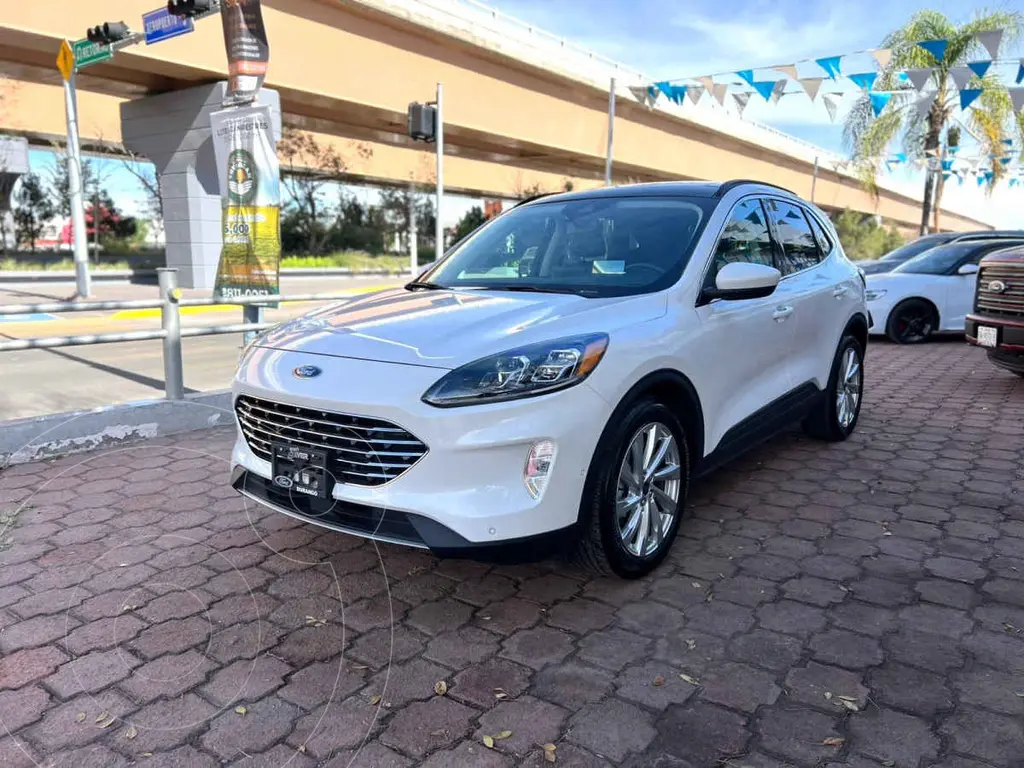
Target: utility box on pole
x: 422, y: 122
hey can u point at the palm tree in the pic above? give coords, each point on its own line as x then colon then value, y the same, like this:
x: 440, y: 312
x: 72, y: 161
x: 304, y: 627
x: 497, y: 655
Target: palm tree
x: 990, y: 119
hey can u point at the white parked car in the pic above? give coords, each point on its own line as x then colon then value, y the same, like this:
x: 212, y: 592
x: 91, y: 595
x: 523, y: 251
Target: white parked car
x: 931, y: 293
x: 560, y: 377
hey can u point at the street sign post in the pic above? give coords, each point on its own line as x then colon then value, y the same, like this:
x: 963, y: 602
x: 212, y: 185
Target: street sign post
x: 66, y: 63
x: 87, y: 53
x: 160, y: 25
x: 66, y: 60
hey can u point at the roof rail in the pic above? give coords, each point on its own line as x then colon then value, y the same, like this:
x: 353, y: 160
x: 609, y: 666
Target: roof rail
x: 530, y: 199
x: 730, y: 185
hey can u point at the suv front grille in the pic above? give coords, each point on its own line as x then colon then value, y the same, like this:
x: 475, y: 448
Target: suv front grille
x: 360, y: 450
x: 1007, y: 302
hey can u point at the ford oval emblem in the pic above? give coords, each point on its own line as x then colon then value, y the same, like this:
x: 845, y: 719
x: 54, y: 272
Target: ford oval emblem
x: 283, y: 481
x: 997, y: 286
x: 306, y: 372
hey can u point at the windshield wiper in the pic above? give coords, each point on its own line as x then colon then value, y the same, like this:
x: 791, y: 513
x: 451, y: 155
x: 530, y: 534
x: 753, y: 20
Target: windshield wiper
x: 412, y: 286
x: 540, y: 289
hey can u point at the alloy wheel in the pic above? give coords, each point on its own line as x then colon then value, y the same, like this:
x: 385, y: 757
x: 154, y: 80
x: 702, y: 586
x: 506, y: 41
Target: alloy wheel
x: 848, y: 387
x: 914, y: 324
x: 647, y: 500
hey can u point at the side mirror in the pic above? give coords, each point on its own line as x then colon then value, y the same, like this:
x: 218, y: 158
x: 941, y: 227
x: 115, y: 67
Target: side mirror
x: 968, y: 269
x: 744, y: 280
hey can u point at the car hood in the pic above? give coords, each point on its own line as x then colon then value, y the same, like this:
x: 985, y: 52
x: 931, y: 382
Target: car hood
x: 448, y: 328
x: 876, y: 266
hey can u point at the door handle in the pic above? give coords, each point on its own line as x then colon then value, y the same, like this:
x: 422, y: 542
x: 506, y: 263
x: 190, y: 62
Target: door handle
x: 840, y: 292
x: 781, y: 313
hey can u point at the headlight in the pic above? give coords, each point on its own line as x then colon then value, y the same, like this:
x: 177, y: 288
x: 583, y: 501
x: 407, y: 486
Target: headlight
x: 525, y: 372
x: 877, y: 293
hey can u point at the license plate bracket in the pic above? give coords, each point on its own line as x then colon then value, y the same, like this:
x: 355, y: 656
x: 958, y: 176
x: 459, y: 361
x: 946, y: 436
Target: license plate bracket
x: 988, y: 336
x: 301, y: 469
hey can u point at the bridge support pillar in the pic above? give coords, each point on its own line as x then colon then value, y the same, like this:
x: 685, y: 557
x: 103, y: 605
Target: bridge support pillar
x: 172, y: 130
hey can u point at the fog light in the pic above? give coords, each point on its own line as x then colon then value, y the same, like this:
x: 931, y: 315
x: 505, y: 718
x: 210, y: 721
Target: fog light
x: 538, y: 467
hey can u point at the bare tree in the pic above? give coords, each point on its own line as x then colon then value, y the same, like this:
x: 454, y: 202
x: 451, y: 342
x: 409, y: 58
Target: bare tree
x: 145, y: 175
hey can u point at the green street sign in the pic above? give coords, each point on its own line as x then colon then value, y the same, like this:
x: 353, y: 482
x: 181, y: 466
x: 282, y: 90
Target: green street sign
x: 87, y: 53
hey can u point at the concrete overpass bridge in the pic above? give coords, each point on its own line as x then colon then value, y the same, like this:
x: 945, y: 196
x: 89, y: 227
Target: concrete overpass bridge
x: 522, y: 109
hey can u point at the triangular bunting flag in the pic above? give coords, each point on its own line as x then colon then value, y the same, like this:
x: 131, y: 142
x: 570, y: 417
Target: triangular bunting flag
x: 707, y: 82
x: 694, y: 92
x: 778, y: 90
x: 741, y: 99
x: 678, y: 93
x: 879, y: 101
x: 900, y: 157
x: 640, y: 93
x: 1020, y: 73
x: 747, y: 76
x: 831, y: 65
x: 961, y: 76
x: 981, y: 180
x: 989, y: 175
x: 947, y: 165
x: 665, y: 87
x: 864, y: 80
x: 1004, y: 160
x: 919, y: 77
x: 718, y: 90
x: 652, y: 95
x: 1013, y: 182
x: 765, y: 88
x: 991, y: 41
x: 936, y: 48
x: 946, y: 175
x: 1017, y: 97
x: 882, y: 56
x: 979, y: 67
x: 787, y: 69
x: 952, y: 150
x: 811, y: 86
x: 924, y: 104
x: 831, y: 101
x: 1008, y: 142
x: 967, y: 96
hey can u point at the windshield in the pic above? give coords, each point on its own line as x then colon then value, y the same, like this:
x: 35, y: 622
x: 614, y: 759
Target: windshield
x: 912, y: 249
x: 611, y: 246
x: 938, y: 261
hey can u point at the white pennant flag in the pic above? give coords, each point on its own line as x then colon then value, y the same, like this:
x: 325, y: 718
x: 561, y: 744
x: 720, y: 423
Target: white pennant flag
x: 919, y: 77
x: 787, y: 69
x: 961, y: 76
x: 641, y: 94
x: 831, y: 101
x: 811, y: 85
x: 778, y: 90
x: 991, y: 41
x: 924, y: 104
x: 1017, y: 97
x: 707, y: 82
x: 741, y: 99
x: 883, y: 56
x: 694, y: 92
x: 718, y: 90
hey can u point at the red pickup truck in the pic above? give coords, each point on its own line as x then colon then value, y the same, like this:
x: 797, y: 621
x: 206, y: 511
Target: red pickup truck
x: 997, y: 322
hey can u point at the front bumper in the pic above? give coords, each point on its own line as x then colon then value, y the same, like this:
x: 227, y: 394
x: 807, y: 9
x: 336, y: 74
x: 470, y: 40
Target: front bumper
x: 1010, y: 333
x: 466, y: 495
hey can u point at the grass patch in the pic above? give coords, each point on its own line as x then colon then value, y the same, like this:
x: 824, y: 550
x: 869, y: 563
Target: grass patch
x: 348, y: 260
x: 65, y: 265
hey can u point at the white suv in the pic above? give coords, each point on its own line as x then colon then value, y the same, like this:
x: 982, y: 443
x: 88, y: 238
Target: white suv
x: 560, y: 377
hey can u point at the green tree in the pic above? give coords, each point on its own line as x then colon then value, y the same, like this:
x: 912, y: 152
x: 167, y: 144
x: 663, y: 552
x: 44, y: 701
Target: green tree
x: 862, y: 237
x: 990, y: 120
x: 33, y: 208
x: 470, y: 220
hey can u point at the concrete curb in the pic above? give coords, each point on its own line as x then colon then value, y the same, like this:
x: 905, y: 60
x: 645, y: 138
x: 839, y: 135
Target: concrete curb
x: 60, y: 434
x: 149, y: 275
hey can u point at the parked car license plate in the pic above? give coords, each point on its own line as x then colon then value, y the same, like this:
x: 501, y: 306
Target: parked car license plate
x: 988, y: 337
x: 301, y: 470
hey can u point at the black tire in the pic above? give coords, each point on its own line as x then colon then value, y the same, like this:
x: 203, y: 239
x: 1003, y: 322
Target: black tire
x: 912, y: 321
x: 824, y: 422
x: 600, y: 547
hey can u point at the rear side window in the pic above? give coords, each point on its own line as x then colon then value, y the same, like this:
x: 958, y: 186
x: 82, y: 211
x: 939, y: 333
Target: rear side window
x: 799, y: 248
x: 825, y: 244
x: 745, y: 237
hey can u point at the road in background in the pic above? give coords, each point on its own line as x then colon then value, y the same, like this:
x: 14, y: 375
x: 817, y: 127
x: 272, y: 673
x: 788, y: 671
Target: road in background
x: 43, y: 381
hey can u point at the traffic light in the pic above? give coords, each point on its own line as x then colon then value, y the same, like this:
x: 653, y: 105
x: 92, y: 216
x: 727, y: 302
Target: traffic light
x: 422, y: 122
x: 108, y: 33
x: 189, y: 8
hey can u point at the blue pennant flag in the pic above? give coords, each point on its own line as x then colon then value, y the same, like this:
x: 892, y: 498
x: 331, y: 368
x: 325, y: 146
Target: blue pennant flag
x: 1008, y: 142
x: 960, y: 180
x: 967, y: 96
x: 936, y: 48
x: 901, y: 157
x: 665, y: 88
x: 1013, y: 182
x: 879, y: 102
x: 652, y: 93
x: 765, y: 88
x: 989, y: 175
x: 979, y: 67
x: 1004, y: 160
x: 952, y: 150
x: 946, y: 175
x: 1020, y: 73
x: 678, y: 93
x: 947, y: 165
x: 747, y: 75
x: 864, y: 80
x: 831, y: 65
x: 981, y: 179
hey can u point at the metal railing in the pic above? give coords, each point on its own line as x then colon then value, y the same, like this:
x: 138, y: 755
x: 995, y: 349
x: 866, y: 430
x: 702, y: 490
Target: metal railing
x: 171, y: 333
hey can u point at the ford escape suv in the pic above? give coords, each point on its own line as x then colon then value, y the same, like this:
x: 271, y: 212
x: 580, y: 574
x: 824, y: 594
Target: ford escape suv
x: 559, y: 378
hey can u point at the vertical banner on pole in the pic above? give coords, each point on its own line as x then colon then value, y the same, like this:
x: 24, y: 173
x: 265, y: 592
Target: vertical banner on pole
x: 250, y: 190
x: 245, y: 38
x: 611, y: 135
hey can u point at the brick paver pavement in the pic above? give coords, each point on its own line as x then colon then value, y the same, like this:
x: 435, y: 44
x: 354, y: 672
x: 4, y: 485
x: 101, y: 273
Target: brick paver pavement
x: 850, y: 605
